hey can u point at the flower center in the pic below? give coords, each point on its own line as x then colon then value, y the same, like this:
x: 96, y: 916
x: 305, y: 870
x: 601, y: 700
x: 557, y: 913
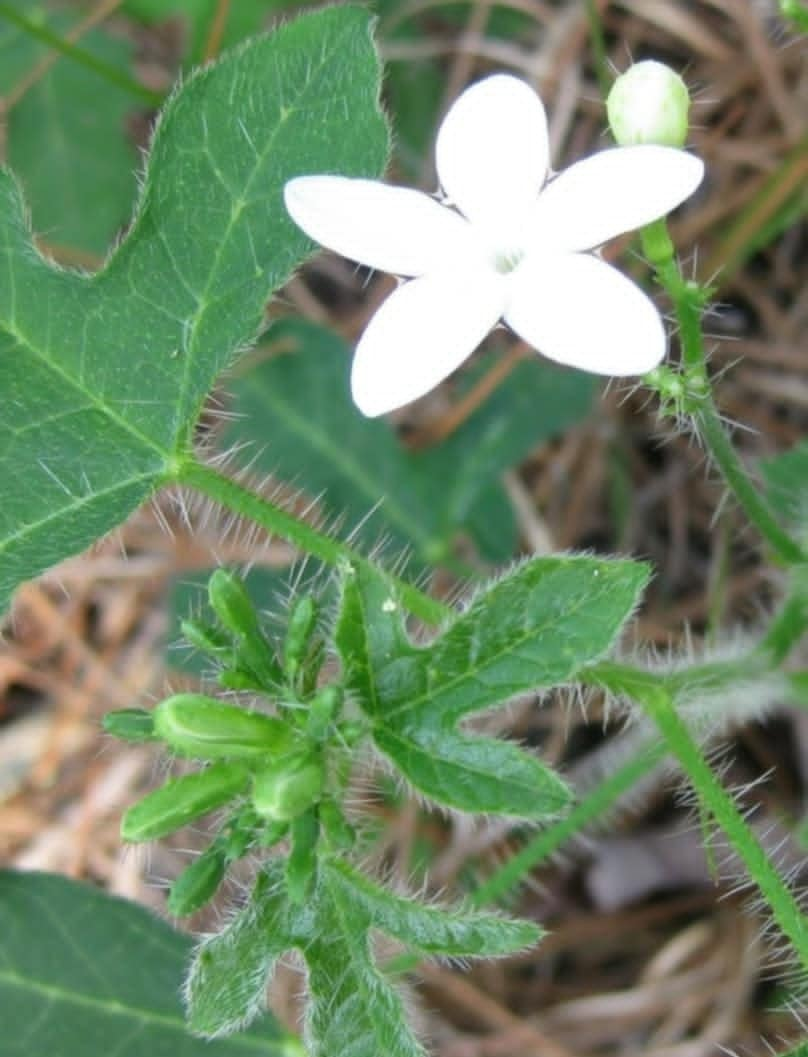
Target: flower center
x: 506, y: 261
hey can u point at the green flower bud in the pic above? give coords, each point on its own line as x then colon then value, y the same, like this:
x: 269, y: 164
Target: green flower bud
x: 301, y: 866
x: 649, y: 103
x: 253, y: 655
x: 206, y: 729
x: 302, y: 621
x: 282, y: 791
x: 181, y: 800
x: 205, y: 638
x: 232, y: 604
x: 197, y: 883
x: 130, y: 724
x: 340, y: 832
x: 323, y: 710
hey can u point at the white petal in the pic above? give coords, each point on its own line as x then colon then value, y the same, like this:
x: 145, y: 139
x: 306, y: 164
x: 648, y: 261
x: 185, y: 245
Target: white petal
x: 611, y: 192
x: 576, y: 309
x: 492, y: 151
x: 394, y: 229
x: 420, y: 334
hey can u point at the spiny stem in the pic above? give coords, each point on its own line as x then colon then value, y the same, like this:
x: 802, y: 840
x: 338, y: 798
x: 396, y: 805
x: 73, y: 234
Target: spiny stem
x: 246, y: 503
x: 80, y: 55
x: 688, y: 300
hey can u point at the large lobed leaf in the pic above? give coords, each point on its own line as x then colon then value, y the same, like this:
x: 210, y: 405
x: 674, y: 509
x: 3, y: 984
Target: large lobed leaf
x: 83, y: 974
x: 67, y: 136
x: 104, y: 377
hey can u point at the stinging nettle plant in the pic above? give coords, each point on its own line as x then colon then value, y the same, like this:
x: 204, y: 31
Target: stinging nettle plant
x: 105, y: 379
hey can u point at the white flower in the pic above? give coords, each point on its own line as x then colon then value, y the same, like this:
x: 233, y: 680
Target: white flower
x: 515, y: 247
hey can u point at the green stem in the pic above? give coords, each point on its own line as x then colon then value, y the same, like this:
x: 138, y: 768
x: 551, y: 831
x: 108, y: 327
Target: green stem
x: 790, y: 624
x: 659, y: 706
x: 711, y: 429
x: 80, y: 55
x: 278, y: 522
x: 688, y: 300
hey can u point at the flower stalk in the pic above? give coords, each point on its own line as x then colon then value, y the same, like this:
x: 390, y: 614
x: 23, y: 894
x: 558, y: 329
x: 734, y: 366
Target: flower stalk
x: 245, y: 503
x: 696, y: 399
x: 660, y: 708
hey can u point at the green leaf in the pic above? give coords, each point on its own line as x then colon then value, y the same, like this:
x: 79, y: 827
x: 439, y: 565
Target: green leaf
x: 353, y: 1011
x: 474, y: 774
x: 228, y: 979
x: 369, y: 629
x: 244, y: 18
x: 84, y: 974
x: 100, y: 412
x: 786, y: 478
x: 434, y: 930
x: 188, y: 597
x: 534, y: 628
x: 67, y: 138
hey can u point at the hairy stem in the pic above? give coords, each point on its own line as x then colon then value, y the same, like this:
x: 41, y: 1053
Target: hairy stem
x: 688, y: 300
x: 659, y: 706
x: 247, y: 504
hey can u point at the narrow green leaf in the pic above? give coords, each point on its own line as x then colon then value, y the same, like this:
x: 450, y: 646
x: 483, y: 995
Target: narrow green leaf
x: 431, y: 929
x: 479, y: 775
x: 67, y: 138
x: 369, y: 631
x: 353, y: 1011
x: 97, y: 414
x: 181, y: 800
x: 228, y: 979
x: 786, y: 478
x: 84, y: 974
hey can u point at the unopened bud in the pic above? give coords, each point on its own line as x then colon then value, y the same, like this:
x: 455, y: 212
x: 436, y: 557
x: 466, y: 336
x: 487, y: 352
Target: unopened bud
x: 649, y: 103
x: 206, y: 729
x: 302, y: 621
x: 282, y: 791
x: 197, y: 883
x: 182, y: 800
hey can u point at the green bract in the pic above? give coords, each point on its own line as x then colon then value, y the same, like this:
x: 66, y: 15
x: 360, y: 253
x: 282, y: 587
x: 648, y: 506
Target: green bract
x: 182, y: 800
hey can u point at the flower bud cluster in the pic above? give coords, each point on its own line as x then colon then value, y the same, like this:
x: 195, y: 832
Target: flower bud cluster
x: 271, y: 772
